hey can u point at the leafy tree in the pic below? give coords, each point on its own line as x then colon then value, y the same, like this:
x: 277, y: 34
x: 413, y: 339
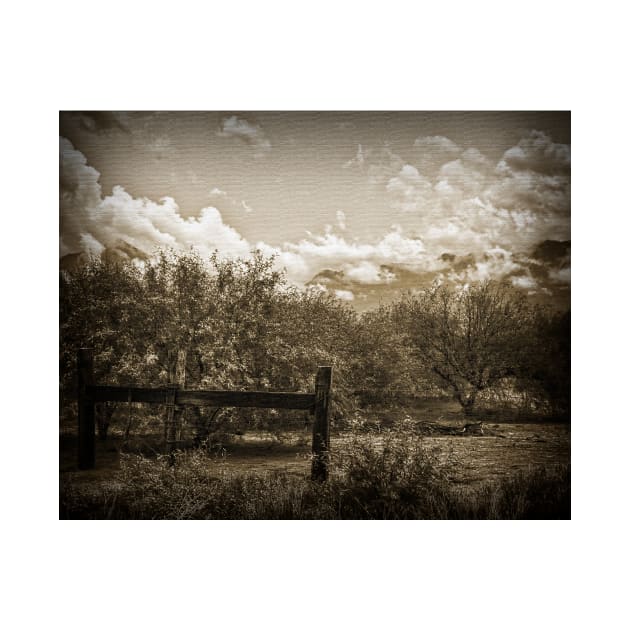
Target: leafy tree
x: 383, y: 363
x: 470, y: 338
x: 549, y: 364
x: 99, y: 309
x: 214, y: 323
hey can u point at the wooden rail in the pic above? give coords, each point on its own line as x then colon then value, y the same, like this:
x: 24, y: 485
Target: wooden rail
x: 202, y: 397
x: 174, y: 397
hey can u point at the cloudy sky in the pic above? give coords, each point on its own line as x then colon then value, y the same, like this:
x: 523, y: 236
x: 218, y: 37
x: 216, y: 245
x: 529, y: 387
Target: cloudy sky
x: 363, y: 204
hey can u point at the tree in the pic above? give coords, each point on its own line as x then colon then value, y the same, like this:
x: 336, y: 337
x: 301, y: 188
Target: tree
x: 469, y: 338
x: 99, y: 309
x: 214, y: 324
x: 550, y: 365
x: 383, y: 363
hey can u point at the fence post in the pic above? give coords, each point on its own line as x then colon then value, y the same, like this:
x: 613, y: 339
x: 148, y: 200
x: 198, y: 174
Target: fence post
x: 87, y: 439
x: 171, y: 421
x: 321, y: 425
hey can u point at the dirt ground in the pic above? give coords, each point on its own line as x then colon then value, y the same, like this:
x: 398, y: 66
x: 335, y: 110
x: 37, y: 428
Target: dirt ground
x: 504, y: 448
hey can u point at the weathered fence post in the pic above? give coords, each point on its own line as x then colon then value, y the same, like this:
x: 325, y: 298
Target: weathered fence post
x: 87, y: 439
x: 321, y: 425
x: 171, y: 421
x: 175, y: 411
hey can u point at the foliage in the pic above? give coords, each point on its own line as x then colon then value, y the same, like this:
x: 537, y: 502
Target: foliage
x: 538, y: 493
x: 390, y: 474
x: 468, y: 339
x: 214, y: 324
x: 550, y: 364
x: 236, y: 324
x: 371, y: 479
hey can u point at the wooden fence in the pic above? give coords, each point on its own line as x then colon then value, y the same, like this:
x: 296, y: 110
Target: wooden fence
x: 176, y: 398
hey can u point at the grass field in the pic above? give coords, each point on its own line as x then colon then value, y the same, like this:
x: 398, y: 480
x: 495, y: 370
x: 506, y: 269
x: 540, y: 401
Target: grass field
x: 468, y: 467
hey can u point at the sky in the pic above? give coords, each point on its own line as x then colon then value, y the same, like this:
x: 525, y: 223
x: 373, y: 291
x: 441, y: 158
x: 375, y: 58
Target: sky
x: 361, y: 204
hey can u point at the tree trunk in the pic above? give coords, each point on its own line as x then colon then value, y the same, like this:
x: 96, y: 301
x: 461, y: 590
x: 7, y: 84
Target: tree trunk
x: 469, y: 403
x: 202, y: 422
x: 105, y: 411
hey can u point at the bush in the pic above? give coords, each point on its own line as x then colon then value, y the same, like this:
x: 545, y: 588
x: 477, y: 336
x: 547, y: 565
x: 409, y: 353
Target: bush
x: 540, y: 493
x: 387, y: 474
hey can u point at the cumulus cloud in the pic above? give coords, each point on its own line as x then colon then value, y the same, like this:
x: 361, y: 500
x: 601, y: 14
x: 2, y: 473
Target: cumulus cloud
x: 430, y: 152
x: 245, y: 131
x: 522, y: 190
x: 436, y: 144
x: 91, y: 222
x: 366, y: 272
x: 342, y: 294
x: 560, y: 276
x: 459, y: 201
x: 524, y: 282
x: 495, y: 263
x: 468, y: 219
x: 310, y: 255
x: 537, y: 152
x: 409, y: 189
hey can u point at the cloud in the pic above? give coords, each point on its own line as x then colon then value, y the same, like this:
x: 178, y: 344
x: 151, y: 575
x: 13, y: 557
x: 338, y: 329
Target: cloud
x: 538, y: 153
x: 409, y: 189
x: 560, y: 276
x: 357, y: 160
x: 430, y: 152
x: 459, y: 201
x: 306, y: 258
x: 377, y: 163
x: 524, y: 282
x: 96, y: 122
x: 91, y: 222
x: 249, y: 133
x: 436, y: 144
x: 341, y: 219
x: 366, y: 272
x: 344, y: 295
x: 227, y: 204
x: 496, y: 263
x: 534, y: 192
x: 470, y: 220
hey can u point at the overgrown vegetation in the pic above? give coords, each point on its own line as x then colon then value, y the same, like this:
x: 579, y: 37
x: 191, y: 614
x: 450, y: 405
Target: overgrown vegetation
x: 236, y: 324
x: 389, y: 475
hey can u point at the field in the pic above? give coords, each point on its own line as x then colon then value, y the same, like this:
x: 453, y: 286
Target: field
x: 469, y: 466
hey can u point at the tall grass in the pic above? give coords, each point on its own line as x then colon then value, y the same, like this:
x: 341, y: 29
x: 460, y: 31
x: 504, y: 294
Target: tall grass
x: 386, y: 475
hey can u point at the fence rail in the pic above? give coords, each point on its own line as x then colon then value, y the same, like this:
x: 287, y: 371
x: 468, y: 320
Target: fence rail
x: 202, y: 397
x: 176, y: 399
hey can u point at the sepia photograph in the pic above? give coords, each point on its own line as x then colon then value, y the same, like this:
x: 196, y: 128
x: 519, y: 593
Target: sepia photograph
x: 308, y: 324
x: 314, y: 315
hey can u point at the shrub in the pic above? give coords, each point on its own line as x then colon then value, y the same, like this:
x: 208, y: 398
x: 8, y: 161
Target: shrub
x: 384, y: 475
x: 389, y: 474
x: 539, y: 493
